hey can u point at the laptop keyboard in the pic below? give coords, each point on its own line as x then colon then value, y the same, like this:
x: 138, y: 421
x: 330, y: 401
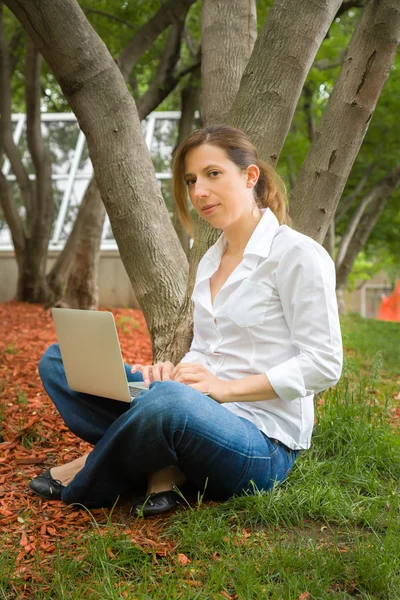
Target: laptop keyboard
x: 134, y: 390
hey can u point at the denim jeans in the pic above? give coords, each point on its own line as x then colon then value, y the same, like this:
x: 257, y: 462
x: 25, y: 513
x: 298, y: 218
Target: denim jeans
x: 168, y: 424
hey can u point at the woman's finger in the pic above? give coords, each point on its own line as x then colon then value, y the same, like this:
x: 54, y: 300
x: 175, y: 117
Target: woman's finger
x: 187, y: 367
x: 166, y: 370
x: 147, y: 374
x: 157, y: 372
x: 187, y: 378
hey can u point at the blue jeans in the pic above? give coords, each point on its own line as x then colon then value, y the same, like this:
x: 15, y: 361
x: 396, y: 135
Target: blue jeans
x: 168, y: 424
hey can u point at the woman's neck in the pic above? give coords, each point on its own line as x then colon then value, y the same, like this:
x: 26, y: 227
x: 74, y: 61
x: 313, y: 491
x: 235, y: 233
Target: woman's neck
x: 239, y: 233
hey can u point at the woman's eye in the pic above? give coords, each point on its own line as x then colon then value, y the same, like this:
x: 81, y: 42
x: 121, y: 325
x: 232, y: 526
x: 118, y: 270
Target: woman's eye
x: 214, y: 173
x: 189, y: 181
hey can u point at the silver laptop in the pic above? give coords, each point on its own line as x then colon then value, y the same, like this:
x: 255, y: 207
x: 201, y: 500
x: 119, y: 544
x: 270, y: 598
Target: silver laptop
x: 91, y: 354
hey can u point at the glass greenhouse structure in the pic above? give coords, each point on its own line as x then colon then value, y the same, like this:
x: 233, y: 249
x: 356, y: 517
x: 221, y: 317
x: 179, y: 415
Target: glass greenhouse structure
x: 72, y: 169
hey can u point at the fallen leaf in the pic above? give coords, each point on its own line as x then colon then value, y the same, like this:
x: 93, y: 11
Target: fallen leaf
x: 183, y: 559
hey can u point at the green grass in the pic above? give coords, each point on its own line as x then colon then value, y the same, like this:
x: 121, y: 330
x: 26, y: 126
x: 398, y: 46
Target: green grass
x: 332, y: 529
x: 373, y: 340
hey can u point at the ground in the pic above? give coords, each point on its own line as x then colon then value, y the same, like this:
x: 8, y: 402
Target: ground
x: 331, y: 531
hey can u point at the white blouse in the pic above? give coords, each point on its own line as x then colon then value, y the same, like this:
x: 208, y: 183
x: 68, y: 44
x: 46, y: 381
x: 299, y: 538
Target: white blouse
x: 276, y: 314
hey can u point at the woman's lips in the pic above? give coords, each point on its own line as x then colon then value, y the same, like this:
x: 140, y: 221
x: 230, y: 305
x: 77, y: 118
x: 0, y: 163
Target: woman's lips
x: 208, y: 211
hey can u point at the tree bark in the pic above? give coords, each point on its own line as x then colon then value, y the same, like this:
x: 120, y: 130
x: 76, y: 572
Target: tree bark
x: 341, y: 130
x: 82, y: 289
x: 275, y: 74
x: 238, y: 22
x: 190, y: 98
x: 90, y: 212
x: 228, y: 34
x: 39, y: 229
x: 96, y: 91
x: 31, y: 234
x: 7, y: 140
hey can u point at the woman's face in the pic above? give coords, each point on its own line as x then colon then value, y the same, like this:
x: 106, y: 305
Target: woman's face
x: 220, y: 192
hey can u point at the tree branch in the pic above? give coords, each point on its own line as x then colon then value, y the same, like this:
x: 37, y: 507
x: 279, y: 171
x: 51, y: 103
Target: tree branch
x: 162, y: 85
x: 143, y: 39
x: 325, y: 64
x: 268, y: 95
x: 11, y: 215
x: 347, y: 202
x: 189, y: 42
x: 381, y: 190
x: 92, y: 11
x: 366, y: 224
x: 307, y: 107
x: 346, y: 119
x: 13, y: 47
x: 10, y: 148
x: 32, y: 103
x: 43, y: 212
x: 164, y: 80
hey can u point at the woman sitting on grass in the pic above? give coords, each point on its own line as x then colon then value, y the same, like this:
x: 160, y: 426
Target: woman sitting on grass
x: 266, y: 339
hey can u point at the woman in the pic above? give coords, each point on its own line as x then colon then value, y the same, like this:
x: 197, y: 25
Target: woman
x: 266, y: 339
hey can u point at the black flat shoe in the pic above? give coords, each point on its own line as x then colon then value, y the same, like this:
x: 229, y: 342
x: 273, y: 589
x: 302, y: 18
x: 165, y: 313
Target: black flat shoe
x: 47, y: 487
x: 155, y: 503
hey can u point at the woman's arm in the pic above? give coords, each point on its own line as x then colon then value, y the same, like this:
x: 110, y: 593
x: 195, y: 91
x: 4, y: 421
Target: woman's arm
x: 305, y: 280
x: 247, y: 389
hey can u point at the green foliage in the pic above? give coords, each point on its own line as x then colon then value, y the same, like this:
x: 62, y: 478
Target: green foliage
x: 380, y: 148
x: 117, y: 22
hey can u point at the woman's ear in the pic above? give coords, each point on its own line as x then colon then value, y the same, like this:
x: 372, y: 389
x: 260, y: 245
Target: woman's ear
x: 252, y: 173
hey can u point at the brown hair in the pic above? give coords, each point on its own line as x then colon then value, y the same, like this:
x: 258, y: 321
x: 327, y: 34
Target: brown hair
x: 269, y: 191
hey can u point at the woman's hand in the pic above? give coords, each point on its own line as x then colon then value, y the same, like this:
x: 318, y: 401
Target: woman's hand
x: 158, y: 372
x: 195, y: 375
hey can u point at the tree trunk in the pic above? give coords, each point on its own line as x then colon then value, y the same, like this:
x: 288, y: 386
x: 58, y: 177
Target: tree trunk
x: 39, y: 227
x: 82, y: 289
x: 96, y: 92
x: 228, y: 34
x: 57, y: 277
x: 91, y: 209
x: 78, y: 263
x: 31, y: 236
x: 241, y: 18
x: 190, y: 97
x: 344, y: 123
x: 275, y: 74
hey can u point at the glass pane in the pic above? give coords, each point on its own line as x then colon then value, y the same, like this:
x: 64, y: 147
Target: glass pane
x: 60, y: 138
x: 85, y: 164
x: 5, y: 235
x: 108, y: 234
x: 25, y: 154
x: 162, y: 144
x: 167, y: 193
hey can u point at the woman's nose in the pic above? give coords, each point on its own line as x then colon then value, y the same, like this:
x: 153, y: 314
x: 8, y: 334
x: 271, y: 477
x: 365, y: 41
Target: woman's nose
x: 200, y: 190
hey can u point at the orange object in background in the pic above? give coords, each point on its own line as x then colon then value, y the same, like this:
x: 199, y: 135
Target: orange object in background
x: 389, y: 309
